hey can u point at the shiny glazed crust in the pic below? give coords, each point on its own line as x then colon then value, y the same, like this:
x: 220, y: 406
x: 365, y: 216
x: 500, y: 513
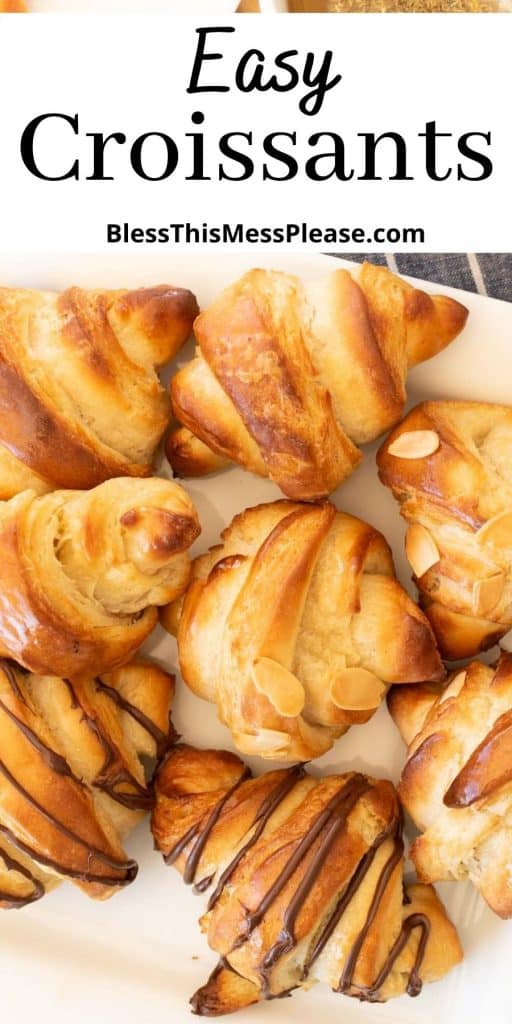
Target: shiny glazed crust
x: 306, y: 881
x: 291, y: 376
x: 80, y: 400
x: 82, y: 572
x: 461, y: 494
x: 72, y: 784
x: 295, y: 625
x: 457, y: 781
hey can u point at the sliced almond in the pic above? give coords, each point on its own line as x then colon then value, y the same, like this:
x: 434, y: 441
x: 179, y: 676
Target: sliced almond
x: 487, y: 593
x: 453, y: 689
x: 280, y: 686
x: 356, y: 689
x: 415, y: 444
x: 497, y: 531
x: 421, y: 549
x: 264, y: 742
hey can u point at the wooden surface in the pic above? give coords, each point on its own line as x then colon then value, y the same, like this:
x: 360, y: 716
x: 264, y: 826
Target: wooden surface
x: 249, y: 7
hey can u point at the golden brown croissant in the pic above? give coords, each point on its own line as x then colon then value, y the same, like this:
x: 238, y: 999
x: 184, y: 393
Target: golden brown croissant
x: 307, y: 881
x: 449, y: 464
x: 12, y: 7
x: 295, y: 625
x: 291, y: 376
x: 72, y: 782
x: 457, y: 781
x: 80, y: 401
x: 82, y: 572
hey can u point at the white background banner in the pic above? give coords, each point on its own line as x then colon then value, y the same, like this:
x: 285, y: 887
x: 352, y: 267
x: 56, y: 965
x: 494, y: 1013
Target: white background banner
x: 437, y: 85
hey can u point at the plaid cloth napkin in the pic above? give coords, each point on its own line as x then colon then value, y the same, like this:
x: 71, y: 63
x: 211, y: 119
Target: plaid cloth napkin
x: 486, y: 273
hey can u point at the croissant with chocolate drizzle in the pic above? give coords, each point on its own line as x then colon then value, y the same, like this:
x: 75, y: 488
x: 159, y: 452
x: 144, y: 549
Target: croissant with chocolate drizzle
x: 72, y: 776
x: 83, y: 572
x: 295, y: 626
x: 457, y: 780
x: 306, y: 881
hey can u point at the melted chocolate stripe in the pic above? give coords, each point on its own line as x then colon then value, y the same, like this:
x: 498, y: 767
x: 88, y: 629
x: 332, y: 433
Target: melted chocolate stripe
x: 346, y: 898
x: 333, y: 819
x: 52, y: 865
x: 195, y: 854
x: 161, y: 739
x: 272, y: 802
x: 55, y: 761
x: 10, y: 674
x: 346, y: 980
x: 16, y: 902
x: 129, y: 867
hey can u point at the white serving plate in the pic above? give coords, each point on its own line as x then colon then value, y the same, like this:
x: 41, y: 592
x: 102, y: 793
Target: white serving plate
x: 139, y: 957
x: 136, y: 6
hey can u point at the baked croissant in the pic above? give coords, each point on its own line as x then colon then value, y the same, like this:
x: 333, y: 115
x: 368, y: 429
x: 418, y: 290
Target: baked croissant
x: 80, y: 401
x: 72, y: 783
x: 457, y: 781
x: 291, y: 376
x: 82, y: 572
x: 12, y: 7
x: 449, y: 464
x: 295, y: 625
x: 306, y: 879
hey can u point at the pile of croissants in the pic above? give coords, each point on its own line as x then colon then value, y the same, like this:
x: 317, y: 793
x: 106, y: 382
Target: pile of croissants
x: 294, y: 625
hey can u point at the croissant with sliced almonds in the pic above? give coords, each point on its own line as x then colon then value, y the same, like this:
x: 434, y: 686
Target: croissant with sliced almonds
x: 291, y: 376
x: 80, y: 400
x: 295, y: 625
x: 457, y: 780
x: 449, y: 464
x: 83, y: 572
x: 306, y: 881
x: 72, y: 781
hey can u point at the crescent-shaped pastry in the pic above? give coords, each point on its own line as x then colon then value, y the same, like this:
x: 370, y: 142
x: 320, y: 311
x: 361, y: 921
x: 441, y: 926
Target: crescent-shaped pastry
x: 72, y: 781
x: 295, y: 626
x: 457, y: 780
x: 83, y: 572
x: 80, y: 400
x: 449, y: 464
x: 291, y: 376
x: 305, y: 878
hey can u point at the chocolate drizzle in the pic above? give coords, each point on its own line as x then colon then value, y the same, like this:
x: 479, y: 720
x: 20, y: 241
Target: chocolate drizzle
x: 263, y: 816
x: 113, y: 773
x: 321, y: 834
x: 414, y: 984
x: 55, y: 761
x: 192, y: 862
x: 128, y: 867
x: 161, y: 739
x: 10, y: 673
x: 11, y: 901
